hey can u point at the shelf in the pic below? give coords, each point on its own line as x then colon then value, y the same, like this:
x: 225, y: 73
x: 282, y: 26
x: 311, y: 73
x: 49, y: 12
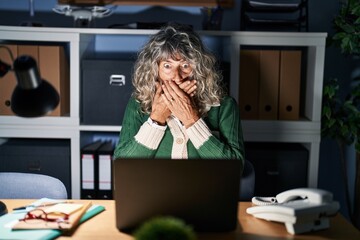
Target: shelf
x: 274, y: 14
x: 257, y: 6
x: 207, y: 3
x: 225, y: 44
x: 95, y: 128
x: 281, y: 131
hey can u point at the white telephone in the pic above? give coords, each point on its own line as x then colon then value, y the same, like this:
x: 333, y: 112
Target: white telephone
x: 302, y: 209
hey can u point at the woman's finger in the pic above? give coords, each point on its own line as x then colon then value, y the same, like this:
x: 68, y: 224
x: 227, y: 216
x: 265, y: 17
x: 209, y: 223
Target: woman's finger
x: 175, y: 90
x: 188, y: 86
x: 168, y: 92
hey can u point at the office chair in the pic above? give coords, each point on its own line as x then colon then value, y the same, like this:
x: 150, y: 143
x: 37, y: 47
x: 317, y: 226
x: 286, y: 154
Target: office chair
x: 14, y: 185
x: 247, y: 182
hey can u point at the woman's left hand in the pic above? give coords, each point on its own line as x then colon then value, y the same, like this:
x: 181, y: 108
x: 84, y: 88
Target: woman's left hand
x: 179, y: 103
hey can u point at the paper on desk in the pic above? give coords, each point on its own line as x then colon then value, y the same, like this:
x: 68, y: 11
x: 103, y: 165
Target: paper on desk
x: 67, y: 208
x: 76, y: 211
x: 8, y: 220
x: 7, y: 233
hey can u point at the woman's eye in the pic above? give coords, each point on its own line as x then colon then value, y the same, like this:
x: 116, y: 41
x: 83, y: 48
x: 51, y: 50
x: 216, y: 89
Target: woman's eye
x: 167, y: 65
x: 186, y: 68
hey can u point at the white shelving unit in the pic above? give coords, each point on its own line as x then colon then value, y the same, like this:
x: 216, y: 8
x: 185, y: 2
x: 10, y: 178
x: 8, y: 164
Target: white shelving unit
x: 82, y: 42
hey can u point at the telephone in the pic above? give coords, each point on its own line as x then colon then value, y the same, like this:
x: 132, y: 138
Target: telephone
x: 302, y: 209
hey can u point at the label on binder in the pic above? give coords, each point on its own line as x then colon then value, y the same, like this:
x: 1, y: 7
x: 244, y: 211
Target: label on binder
x: 88, y: 171
x: 104, y: 172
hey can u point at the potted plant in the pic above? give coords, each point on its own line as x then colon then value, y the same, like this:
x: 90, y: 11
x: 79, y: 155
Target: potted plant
x: 341, y: 122
x: 341, y: 115
x: 165, y: 228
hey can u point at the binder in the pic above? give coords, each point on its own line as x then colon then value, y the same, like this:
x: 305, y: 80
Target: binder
x: 289, y: 89
x: 249, y: 84
x: 269, y: 84
x: 105, y: 153
x: 8, y: 81
x: 89, y: 173
x: 54, y: 68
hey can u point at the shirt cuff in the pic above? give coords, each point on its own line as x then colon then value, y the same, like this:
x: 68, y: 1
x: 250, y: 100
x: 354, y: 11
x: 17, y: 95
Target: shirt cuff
x: 150, y: 135
x: 155, y: 124
x: 199, y: 133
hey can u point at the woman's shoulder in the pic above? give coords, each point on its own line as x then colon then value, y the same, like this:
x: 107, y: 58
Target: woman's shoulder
x: 133, y: 102
x: 227, y: 100
x: 133, y: 105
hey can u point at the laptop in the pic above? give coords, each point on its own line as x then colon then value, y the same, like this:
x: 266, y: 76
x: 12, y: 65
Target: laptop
x: 203, y: 193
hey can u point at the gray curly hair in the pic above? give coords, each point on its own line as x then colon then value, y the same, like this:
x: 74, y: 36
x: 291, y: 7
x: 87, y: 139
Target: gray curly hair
x: 169, y: 41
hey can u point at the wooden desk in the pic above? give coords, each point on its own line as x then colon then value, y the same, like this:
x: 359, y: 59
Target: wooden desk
x: 103, y: 226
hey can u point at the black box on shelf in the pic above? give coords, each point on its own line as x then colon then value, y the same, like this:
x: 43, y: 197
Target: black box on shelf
x: 278, y: 166
x: 43, y: 156
x: 106, y: 89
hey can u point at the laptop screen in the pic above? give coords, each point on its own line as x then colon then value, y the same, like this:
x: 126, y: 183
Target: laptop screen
x: 203, y: 193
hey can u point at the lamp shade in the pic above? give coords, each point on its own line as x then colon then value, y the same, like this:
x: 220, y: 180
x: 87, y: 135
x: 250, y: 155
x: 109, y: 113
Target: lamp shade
x: 33, y: 96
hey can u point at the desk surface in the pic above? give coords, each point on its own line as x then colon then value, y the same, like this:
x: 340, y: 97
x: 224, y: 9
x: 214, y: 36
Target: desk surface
x: 103, y: 226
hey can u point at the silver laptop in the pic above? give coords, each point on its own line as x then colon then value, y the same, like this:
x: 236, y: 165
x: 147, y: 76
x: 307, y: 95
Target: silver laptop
x: 203, y: 193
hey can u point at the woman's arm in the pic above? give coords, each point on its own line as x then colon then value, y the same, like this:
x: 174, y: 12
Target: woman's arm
x: 229, y: 145
x: 138, y: 138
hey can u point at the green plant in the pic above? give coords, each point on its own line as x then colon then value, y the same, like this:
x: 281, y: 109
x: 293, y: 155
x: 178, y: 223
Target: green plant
x: 340, y: 115
x: 164, y: 228
x: 341, y: 122
x: 347, y: 27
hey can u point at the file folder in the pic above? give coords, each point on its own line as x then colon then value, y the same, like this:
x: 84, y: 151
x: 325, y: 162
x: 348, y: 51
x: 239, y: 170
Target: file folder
x: 249, y: 84
x: 105, y: 153
x: 55, y: 69
x: 269, y: 84
x: 8, y: 81
x: 289, y: 89
x: 89, y: 173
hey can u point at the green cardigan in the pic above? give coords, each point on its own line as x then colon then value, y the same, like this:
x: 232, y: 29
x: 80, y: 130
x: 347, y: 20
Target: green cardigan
x: 221, y: 139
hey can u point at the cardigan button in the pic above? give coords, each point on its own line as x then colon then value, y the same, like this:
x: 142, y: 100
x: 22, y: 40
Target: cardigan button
x: 179, y: 140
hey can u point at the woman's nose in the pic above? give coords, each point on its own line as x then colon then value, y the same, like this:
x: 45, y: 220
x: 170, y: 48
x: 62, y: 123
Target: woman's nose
x: 177, y: 75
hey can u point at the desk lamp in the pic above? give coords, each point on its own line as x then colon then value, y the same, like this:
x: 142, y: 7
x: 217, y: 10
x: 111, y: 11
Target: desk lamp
x: 32, y: 96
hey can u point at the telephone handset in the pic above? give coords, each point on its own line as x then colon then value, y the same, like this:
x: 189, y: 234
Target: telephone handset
x: 302, y: 209
x: 313, y: 195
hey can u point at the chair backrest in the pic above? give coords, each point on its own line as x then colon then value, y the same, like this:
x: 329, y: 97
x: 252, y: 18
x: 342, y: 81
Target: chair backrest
x: 14, y: 185
x: 247, y: 182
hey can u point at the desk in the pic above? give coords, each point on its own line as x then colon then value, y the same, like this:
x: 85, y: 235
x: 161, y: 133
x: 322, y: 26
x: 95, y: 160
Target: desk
x: 103, y: 226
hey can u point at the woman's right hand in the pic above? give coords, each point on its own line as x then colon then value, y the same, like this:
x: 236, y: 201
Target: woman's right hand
x: 189, y: 87
x: 160, y: 112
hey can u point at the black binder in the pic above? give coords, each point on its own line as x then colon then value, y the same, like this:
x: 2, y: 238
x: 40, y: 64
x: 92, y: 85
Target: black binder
x: 89, y: 170
x: 104, y: 188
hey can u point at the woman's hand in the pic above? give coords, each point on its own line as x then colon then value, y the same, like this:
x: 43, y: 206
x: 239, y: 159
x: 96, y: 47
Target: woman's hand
x: 179, y: 103
x: 189, y: 87
x: 160, y: 111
